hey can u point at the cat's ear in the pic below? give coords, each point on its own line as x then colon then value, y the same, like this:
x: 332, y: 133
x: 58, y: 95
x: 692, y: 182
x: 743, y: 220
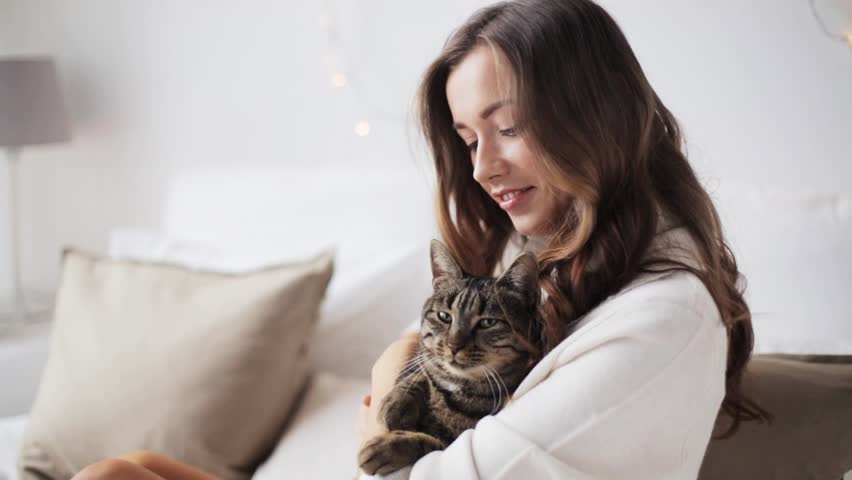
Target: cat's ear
x: 521, y: 277
x: 444, y: 266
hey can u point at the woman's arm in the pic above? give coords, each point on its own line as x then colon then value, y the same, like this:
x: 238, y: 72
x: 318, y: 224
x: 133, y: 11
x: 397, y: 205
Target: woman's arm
x: 384, y: 374
x: 166, y: 467
x: 632, y: 394
x: 142, y: 465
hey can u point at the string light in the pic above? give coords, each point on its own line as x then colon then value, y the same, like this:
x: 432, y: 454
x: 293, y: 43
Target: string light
x: 362, y: 128
x: 845, y: 38
x: 338, y: 79
x: 344, y: 74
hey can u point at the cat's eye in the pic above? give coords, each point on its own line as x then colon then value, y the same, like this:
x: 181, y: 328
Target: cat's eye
x: 487, y: 323
x: 444, y: 317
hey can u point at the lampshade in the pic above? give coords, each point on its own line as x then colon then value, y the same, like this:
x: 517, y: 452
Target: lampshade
x: 31, y: 108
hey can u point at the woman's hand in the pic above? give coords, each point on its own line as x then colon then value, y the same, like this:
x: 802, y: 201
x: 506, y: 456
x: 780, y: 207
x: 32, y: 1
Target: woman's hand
x: 384, y: 374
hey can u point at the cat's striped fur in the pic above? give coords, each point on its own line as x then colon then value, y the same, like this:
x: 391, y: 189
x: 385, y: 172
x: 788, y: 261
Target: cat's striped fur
x: 477, y: 342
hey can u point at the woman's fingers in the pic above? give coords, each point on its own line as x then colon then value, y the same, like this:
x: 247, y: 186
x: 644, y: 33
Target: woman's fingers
x: 363, y: 417
x: 361, y: 421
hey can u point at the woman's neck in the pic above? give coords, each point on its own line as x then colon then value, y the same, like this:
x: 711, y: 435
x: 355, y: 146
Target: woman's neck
x: 536, y: 243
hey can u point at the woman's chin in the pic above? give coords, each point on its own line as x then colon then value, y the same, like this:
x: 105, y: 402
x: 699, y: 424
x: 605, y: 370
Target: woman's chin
x: 526, y: 227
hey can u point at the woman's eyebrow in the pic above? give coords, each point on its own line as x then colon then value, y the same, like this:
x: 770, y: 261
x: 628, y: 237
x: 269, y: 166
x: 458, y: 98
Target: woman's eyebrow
x: 486, y: 112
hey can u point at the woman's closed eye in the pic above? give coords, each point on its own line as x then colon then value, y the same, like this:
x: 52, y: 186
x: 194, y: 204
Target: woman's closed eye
x: 506, y: 132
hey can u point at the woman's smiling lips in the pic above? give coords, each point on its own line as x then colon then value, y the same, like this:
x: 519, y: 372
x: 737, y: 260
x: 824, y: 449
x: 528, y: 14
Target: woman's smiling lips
x: 511, y: 198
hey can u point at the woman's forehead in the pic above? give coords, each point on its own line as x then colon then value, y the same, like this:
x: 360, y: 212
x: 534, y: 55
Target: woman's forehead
x: 480, y: 79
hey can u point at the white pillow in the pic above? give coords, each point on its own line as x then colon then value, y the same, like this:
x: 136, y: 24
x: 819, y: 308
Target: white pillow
x: 795, y: 249
x: 367, y: 305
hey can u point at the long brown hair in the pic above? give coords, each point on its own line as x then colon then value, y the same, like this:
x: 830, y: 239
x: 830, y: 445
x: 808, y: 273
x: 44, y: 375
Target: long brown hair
x: 585, y: 107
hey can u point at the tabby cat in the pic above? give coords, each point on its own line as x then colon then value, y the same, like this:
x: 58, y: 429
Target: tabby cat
x: 478, y: 340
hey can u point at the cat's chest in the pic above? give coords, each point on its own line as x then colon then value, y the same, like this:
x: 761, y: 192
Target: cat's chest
x: 458, y: 402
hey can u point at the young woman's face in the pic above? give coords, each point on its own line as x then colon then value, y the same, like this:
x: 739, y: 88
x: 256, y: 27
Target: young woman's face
x: 503, y: 165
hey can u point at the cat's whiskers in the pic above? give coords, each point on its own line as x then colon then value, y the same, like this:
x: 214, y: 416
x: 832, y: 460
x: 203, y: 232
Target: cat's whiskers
x: 505, y: 389
x: 502, y: 383
x: 413, y: 365
x: 428, y: 362
x: 499, y: 398
x: 500, y: 377
x: 493, y: 396
x: 410, y: 365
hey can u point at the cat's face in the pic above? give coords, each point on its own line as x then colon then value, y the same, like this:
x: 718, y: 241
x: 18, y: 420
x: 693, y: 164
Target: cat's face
x: 471, y: 324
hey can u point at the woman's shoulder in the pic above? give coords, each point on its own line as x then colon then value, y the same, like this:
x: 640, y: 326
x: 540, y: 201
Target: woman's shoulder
x: 677, y: 289
x: 681, y: 289
x: 674, y: 290
x: 656, y: 318
x: 672, y: 306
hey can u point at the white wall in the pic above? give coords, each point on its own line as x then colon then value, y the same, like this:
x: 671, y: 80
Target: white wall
x: 762, y: 93
x: 158, y: 87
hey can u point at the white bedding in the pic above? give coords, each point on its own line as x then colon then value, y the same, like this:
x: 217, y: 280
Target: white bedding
x: 320, y: 441
x: 323, y: 422
x: 23, y: 353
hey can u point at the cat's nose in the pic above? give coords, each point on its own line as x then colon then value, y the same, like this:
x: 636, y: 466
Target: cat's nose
x: 455, y: 347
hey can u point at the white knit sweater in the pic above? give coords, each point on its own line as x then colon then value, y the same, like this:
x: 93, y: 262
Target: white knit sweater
x: 633, y: 393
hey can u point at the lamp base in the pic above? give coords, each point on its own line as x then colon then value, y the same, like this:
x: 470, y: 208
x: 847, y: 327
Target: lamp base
x: 34, y: 307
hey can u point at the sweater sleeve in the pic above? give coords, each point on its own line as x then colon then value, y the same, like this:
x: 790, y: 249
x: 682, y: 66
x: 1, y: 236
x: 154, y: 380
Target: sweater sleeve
x: 632, y: 394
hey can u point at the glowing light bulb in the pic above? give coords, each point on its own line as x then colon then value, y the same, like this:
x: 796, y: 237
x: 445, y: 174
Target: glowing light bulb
x: 362, y: 128
x: 338, y: 79
x: 849, y: 38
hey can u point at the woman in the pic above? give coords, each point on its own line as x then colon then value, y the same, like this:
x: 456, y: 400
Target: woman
x: 547, y: 136
x: 544, y: 129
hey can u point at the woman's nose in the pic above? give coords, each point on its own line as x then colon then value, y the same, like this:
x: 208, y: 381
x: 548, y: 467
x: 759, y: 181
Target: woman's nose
x: 488, y: 163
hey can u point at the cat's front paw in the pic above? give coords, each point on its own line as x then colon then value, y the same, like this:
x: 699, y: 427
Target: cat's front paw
x: 391, y: 451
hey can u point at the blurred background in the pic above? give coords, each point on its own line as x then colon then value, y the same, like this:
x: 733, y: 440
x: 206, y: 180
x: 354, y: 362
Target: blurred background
x: 160, y: 93
x: 229, y: 135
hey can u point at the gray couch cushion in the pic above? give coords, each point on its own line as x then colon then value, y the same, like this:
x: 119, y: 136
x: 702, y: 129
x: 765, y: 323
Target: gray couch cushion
x: 811, y: 435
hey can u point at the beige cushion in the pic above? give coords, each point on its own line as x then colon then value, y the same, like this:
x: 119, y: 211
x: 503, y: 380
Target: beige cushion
x: 203, y: 367
x: 811, y: 435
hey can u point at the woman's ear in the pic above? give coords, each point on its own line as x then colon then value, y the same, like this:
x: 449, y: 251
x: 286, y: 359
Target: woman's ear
x: 445, y: 269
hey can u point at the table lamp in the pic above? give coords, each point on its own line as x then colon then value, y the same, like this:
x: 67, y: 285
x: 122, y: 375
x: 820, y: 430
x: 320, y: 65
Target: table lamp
x: 31, y: 113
